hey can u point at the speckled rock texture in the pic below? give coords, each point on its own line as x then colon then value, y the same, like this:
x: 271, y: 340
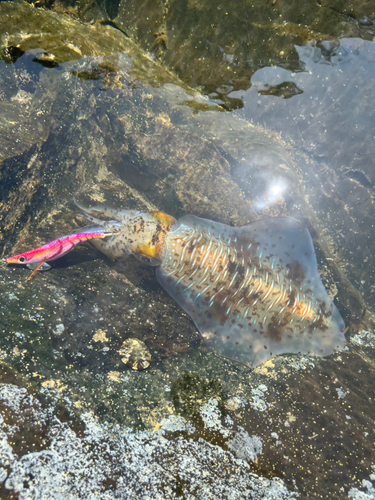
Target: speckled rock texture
x: 119, y: 130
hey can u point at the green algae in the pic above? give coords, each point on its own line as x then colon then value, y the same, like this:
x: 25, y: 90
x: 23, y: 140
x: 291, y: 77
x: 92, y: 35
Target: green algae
x: 61, y: 38
x: 219, y: 45
x: 215, y: 46
x: 190, y: 392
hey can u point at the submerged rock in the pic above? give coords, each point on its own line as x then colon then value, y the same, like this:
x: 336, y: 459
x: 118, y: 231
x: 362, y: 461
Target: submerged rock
x: 219, y: 45
x: 61, y: 38
x: 121, y: 131
x: 105, y: 461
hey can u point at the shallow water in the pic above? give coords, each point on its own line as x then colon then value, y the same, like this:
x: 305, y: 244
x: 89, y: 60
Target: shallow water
x: 119, y: 130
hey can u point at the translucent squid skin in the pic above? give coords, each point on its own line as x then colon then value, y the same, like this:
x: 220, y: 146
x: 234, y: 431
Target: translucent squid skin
x: 253, y: 291
x: 141, y: 234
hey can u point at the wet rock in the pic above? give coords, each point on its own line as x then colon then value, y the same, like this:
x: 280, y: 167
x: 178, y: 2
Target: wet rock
x: 108, y: 461
x: 61, y: 38
x: 190, y: 392
x: 218, y: 46
x: 123, y: 132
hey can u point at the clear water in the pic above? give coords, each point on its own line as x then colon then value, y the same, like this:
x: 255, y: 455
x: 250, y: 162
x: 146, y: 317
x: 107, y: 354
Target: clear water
x: 118, y: 130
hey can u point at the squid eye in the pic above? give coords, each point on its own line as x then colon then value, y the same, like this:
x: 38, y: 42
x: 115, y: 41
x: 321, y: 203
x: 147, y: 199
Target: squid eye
x: 145, y: 260
x: 22, y: 260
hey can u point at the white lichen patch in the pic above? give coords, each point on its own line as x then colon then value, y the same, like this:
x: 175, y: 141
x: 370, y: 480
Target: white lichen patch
x: 176, y: 423
x: 302, y: 363
x: 363, y: 339
x: 59, y: 329
x: 341, y: 393
x: 369, y: 494
x: 211, y: 415
x: 131, y: 462
x: 275, y: 436
x: 3, y: 472
x: 245, y: 446
x: 257, y: 401
x: 20, y: 335
x: 236, y: 403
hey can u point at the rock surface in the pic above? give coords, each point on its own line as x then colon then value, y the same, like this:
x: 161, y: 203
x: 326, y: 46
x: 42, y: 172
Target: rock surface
x: 121, y: 131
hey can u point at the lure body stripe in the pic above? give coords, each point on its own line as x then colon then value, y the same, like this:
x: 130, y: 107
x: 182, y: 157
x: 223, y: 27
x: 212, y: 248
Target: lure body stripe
x: 56, y: 248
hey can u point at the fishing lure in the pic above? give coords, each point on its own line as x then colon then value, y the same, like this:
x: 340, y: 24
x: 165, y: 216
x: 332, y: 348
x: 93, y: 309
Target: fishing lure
x: 37, y: 259
x: 253, y: 291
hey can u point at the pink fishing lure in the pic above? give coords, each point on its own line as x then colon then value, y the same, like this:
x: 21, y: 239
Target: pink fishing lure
x: 37, y: 259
